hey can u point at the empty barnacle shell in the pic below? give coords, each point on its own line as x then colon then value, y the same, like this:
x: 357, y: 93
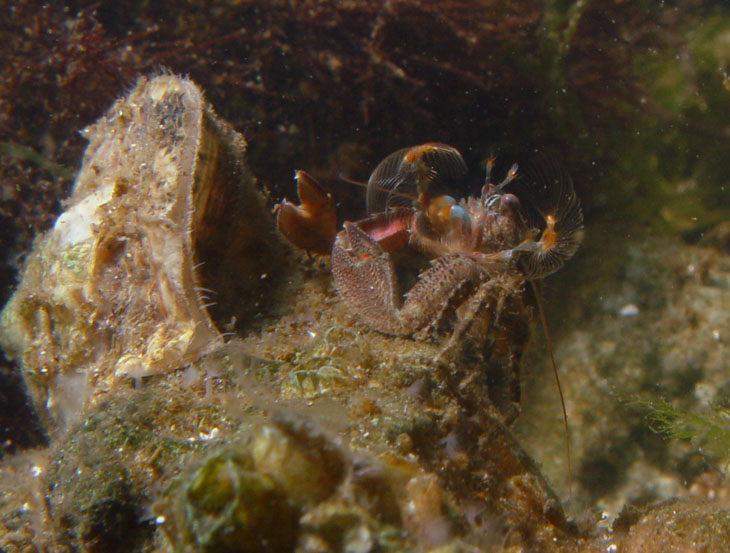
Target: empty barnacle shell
x: 226, y: 506
x: 164, y: 234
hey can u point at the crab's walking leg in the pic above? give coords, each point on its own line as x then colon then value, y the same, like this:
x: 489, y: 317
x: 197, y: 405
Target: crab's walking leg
x: 476, y: 309
x: 491, y: 320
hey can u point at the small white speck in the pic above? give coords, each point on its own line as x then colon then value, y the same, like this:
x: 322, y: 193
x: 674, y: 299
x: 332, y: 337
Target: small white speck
x: 205, y: 436
x: 629, y: 310
x: 704, y: 393
x: 715, y: 335
x: 24, y: 508
x: 36, y: 471
x: 160, y: 520
x: 612, y: 548
x: 312, y: 333
x: 263, y: 276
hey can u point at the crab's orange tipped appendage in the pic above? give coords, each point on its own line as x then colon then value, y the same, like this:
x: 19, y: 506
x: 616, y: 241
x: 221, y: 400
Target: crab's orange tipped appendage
x: 413, y: 173
x: 312, y: 225
x: 549, y: 236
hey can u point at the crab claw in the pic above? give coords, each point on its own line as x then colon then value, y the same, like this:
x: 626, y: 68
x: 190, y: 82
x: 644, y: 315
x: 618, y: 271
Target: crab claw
x: 312, y: 225
x: 365, y: 278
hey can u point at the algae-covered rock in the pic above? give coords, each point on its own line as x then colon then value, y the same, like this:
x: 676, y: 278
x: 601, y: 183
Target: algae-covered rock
x: 164, y: 232
x: 281, y: 489
x: 228, y: 507
x: 97, y: 509
x: 679, y: 526
x: 100, y: 477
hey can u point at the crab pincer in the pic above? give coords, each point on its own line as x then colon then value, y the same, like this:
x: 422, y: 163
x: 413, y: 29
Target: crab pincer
x: 312, y: 225
x: 364, y: 275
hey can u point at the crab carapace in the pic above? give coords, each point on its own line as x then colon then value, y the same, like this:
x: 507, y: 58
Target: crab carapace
x: 485, y: 254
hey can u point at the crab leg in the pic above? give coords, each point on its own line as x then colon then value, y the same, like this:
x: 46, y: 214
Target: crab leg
x: 476, y: 304
x: 487, y: 321
x: 365, y: 277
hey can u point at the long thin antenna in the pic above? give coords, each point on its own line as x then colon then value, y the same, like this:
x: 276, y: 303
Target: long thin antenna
x: 381, y: 188
x: 538, y: 297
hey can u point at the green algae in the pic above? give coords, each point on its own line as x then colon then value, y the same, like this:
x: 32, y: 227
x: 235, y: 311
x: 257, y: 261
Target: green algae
x: 228, y: 507
x: 708, y: 430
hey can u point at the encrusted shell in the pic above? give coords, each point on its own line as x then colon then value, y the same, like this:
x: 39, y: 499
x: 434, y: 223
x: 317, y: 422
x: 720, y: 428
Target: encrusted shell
x: 163, y: 221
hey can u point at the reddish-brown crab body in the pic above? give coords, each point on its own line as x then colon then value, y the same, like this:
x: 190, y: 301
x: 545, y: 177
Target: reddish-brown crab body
x: 483, y: 252
x: 481, y: 297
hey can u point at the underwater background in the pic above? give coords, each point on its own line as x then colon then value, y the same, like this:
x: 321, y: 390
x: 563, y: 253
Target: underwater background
x: 287, y: 424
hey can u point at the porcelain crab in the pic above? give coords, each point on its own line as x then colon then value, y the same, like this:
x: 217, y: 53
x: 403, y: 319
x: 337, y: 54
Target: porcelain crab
x: 483, y: 254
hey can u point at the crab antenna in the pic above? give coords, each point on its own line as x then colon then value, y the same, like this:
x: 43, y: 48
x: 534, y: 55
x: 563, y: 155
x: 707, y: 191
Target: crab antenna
x: 511, y: 175
x: 543, y: 321
x: 382, y: 188
x: 348, y: 180
x: 489, y: 165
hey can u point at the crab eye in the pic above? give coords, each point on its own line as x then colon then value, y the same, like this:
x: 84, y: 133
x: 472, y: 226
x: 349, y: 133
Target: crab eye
x: 510, y: 202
